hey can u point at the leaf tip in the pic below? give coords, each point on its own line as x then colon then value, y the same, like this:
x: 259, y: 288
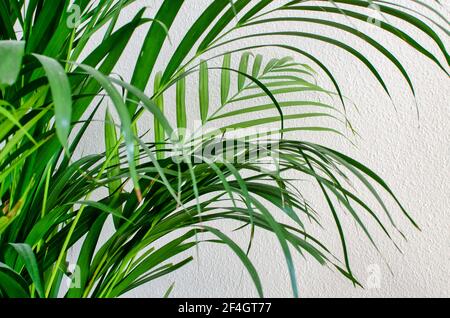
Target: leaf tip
x: 138, y: 192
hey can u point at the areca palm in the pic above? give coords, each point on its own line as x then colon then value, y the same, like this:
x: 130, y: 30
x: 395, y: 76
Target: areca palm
x: 163, y: 192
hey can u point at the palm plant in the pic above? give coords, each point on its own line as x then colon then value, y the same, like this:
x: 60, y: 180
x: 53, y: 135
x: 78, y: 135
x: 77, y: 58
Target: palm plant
x: 158, y: 189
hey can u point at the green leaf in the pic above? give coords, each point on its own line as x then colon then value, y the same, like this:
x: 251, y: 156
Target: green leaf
x: 148, y: 104
x: 159, y: 130
x: 243, y: 67
x: 261, y: 108
x: 181, y: 103
x: 255, y: 10
x: 198, y: 28
x: 100, y: 206
x: 125, y: 119
x: 169, y: 291
x: 162, y: 271
x: 62, y: 96
x: 225, y: 79
x: 222, y: 23
x: 12, y: 284
x: 257, y: 65
x: 112, y: 152
x: 152, y: 45
x: 29, y: 259
x: 11, y: 53
x: 204, y: 91
x: 41, y: 31
x: 14, y: 120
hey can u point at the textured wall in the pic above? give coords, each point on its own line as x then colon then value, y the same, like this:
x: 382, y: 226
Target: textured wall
x: 412, y: 155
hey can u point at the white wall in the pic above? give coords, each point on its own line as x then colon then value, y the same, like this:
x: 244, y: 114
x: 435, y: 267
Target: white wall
x: 412, y: 155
